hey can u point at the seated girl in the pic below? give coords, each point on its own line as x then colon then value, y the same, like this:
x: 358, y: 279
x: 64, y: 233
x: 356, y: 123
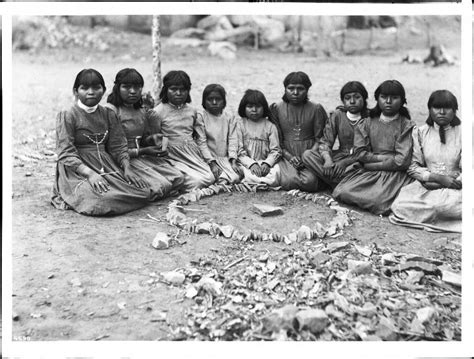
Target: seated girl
x: 177, y: 121
x: 434, y: 200
x: 217, y: 136
x: 259, y: 148
x: 300, y: 123
x: 152, y: 163
x: 331, y: 165
x: 383, y: 146
x: 93, y: 172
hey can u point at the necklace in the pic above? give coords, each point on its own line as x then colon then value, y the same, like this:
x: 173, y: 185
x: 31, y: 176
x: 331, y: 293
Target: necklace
x: 97, y: 139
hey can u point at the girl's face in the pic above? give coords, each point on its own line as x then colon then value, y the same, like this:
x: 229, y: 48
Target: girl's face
x: 353, y: 102
x: 177, y: 94
x: 89, y: 95
x: 130, y: 93
x: 214, y: 103
x: 254, y: 111
x: 389, y: 104
x: 442, y: 115
x: 296, y: 93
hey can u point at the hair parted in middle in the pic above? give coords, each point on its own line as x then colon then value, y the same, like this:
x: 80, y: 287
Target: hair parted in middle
x: 253, y: 97
x: 175, y: 78
x: 390, y: 87
x: 356, y: 86
x: 210, y: 88
x: 297, y: 77
x: 443, y: 99
x: 127, y: 76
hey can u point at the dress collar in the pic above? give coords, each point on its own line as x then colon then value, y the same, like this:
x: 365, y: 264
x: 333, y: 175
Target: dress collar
x: 353, y: 118
x: 387, y: 119
x: 87, y: 108
x: 176, y: 107
x: 437, y: 127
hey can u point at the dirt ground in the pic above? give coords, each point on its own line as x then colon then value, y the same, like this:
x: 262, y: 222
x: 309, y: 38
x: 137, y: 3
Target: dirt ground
x: 83, y: 278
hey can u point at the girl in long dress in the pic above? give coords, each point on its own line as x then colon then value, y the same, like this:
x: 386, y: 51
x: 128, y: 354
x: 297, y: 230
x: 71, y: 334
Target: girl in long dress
x: 383, y: 146
x: 259, y: 146
x: 217, y: 136
x: 93, y: 173
x: 329, y: 164
x: 300, y: 123
x: 176, y: 120
x: 151, y: 162
x: 434, y: 200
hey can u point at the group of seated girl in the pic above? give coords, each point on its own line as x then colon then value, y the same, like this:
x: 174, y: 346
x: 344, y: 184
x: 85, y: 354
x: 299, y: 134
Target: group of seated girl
x: 115, y: 158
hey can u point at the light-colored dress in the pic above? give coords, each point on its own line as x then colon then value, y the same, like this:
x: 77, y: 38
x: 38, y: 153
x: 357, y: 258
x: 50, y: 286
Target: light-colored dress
x: 97, y: 141
x: 439, y: 209
x: 376, y: 190
x: 179, y: 125
x: 300, y: 127
x: 159, y: 172
x: 340, y: 128
x: 259, y: 143
x: 218, y: 141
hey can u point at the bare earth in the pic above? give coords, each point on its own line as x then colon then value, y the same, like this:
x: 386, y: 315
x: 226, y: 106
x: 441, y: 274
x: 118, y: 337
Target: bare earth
x: 82, y: 278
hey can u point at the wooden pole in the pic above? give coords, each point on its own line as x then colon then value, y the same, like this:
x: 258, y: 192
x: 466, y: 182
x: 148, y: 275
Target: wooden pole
x: 156, y: 46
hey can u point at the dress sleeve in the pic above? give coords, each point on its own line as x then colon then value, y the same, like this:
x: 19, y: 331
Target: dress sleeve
x: 319, y: 122
x: 418, y: 169
x: 117, y: 143
x: 329, y: 135
x: 275, y: 119
x: 362, y: 148
x: 275, y: 149
x: 404, y: 147
x: 242, y: 154
x: 233, y: 141
x: 65, y: 147
x: 201, y: 138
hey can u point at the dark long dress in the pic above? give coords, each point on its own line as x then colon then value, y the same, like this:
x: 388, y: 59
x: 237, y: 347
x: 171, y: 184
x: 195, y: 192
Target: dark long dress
x: 157, y: 171
x: 75, y: 132
x: 337, y: 128
x: 300, y: 128
x: 376, y: 190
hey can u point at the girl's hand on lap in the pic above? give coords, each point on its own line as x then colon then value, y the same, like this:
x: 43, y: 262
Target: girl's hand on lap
x: 98, y: 182
x: 236, y: 167
x: 256, y: 170
x: 339, y: 170
x: 296, y: 162
x: 457, y: 184
x: 132, y: 178
x: 448, y: 182
x: 152, y: 151
x: 216, y: 171
x: 265, y: 169
x: 328, y: 168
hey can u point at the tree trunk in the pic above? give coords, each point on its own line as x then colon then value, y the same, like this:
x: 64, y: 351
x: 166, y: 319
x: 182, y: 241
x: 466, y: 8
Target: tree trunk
x: 156, y: 46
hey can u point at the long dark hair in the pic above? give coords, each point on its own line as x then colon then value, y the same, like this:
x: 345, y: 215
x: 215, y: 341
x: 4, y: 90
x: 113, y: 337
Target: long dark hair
x: 175, y: 78
x: 254, y: 97
x: 125, y: 76
x: 356, y: 86
x: 210, y: 88
x: 394, y: 88
x: 443, y: 99
x: 297, y: 77
x: 88, y: 77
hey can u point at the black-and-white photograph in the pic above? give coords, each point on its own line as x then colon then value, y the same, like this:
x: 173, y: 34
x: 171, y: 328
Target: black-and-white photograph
x: 236, y: 178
